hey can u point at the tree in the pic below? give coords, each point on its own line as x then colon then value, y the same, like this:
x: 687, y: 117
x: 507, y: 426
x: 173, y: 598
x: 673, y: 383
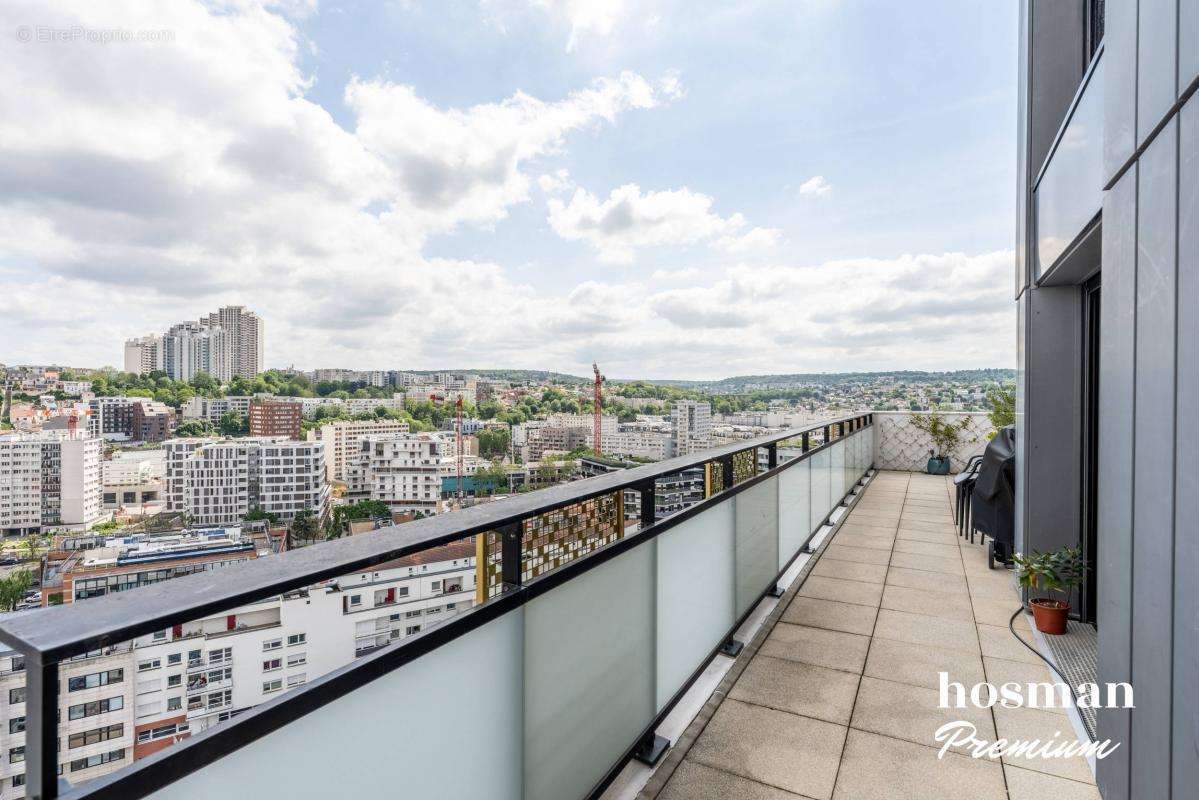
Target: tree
x: 31, y: 544
x: 305, y: 526
x: 494, y: 442
x: 233, y: 424
x: 257, y: 513
x: 195, y: 427
x: 13, y: 588
x: 1002, y: 400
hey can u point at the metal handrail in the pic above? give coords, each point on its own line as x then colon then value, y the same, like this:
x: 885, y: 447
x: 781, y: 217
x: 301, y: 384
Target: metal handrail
x: 48, y: 636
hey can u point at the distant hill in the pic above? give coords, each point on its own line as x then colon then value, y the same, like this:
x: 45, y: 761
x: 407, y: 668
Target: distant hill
x: 519, y: 375
x: 741, y: 383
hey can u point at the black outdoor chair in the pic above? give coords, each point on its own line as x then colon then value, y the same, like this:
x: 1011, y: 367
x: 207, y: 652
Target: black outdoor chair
x: 963, y: 483
x: 992, y: 502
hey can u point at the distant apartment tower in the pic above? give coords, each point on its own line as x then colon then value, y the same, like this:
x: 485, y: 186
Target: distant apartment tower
x: 245, y: 331
x: 143, y: 354
x: 690, y: 427
x: 50, y: 478
x: 212, y: 409
x: 190, y: 348
x: 218, y: 481
x: 341, y: 440
x: 137, y: 419
x: 273, y: 417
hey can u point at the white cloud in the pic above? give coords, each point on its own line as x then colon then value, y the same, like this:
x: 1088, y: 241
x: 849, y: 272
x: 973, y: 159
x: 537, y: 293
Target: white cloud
x: 587, y: 18
x: 630, y: 219
x: 555, y: 182
x: 816, y: 186
x: 756, y: 240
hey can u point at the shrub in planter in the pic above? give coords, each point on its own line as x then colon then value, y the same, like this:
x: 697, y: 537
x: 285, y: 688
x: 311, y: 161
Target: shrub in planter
x: 1059, y: 571
x: 946, y: 437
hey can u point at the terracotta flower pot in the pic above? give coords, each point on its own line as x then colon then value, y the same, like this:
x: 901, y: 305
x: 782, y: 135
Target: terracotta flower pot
x: 1050, y: 615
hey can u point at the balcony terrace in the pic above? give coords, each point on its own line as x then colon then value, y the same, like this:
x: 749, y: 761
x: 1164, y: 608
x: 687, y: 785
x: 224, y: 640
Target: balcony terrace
x: 592, y: 640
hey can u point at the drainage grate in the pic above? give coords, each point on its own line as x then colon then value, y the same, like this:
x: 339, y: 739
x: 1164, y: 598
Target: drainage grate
x: 1076, y: 653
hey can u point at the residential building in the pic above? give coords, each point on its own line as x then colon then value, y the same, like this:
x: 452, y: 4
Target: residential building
x: 217, y: 481
x: 404, y: 470
x: 134, y: 478
x: 144, y: 354
x: 341, y: 439
x: 211, y: 409
x: 690, y: 427
x: 191, y: 348
x: 275, y: 417
x: 122, y: 419
x: 244, y: 330
x: 127, y: 562
x: 49, y: 479
x: 95, y: 711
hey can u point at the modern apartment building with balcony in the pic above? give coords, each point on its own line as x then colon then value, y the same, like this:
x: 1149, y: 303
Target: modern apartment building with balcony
x: 1107, y: 288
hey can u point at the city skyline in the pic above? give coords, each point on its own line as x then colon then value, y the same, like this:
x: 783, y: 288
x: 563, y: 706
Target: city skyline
x: 519, y: 184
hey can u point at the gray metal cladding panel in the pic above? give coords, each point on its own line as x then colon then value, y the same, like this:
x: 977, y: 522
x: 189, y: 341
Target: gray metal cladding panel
x: 1157, y: 35
x: 1116, y: 372
x: 1188, y: 44
x: 1186, y: 543
x: 1120, y: 100
x: 1153, y: 535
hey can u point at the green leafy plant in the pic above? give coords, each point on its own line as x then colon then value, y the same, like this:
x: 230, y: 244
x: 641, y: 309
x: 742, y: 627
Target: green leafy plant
x: 1002, y: 400
x: 1061, y: 571
x: 946, y: 435
x: 13, y: 588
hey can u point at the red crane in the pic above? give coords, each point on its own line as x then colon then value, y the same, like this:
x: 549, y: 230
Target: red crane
x: 458, y: 429
x: 596, y: 402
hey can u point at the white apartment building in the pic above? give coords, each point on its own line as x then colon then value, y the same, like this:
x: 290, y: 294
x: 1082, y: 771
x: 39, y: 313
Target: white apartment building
x: 690, y: 427
x: 49, y: 478
x: 212, y: 409
x: 636, y: 443
x: 223, y: 480
x: 217, y: 481
x: 190, y: 348
x: 134, y: 477
x: 203, y: 672
x: 143, y: 354
x: 341, y: 438
x: 405, y: 470
x: 95, y: 717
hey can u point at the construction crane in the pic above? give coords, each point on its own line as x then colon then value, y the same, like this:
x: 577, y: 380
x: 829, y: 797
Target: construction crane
x: 458, y: 434
x: 596, y: 402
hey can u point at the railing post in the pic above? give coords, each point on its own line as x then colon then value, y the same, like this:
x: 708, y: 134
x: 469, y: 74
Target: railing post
x: 772, y: 455
x: 646, y: 492
x: 512, y: 555
x: 726, y: 473
x: 827, y: 429
x: 805, y: 444
x: 41, y: 730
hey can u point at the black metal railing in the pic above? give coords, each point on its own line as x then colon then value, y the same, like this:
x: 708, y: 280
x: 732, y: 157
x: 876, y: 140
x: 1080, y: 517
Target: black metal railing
x: 46, y: 637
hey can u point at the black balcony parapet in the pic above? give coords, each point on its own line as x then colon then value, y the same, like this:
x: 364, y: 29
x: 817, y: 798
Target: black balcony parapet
x: 47, y: 636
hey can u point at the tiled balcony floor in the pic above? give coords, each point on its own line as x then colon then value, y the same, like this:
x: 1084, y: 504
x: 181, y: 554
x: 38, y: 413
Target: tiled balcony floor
x: 837, y: 696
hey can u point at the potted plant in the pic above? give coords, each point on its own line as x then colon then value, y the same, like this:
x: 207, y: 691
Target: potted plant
x: 1060, y: 571
x: 946, y: 437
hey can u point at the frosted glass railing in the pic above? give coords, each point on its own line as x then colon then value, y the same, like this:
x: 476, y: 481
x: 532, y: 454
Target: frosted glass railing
x: 545, y: 700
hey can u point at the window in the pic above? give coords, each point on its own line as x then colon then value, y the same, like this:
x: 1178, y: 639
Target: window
x: 272, y: 686
x: 297, y: 638
x: 411, y: 614
x: 272, y: 644
x: 174, y: 680
x: 402, y: 591
x: 174, y: 658
x: 296, y: 659
x: 16, y: 695
x: 412, y: 629
x: 158, y: 635
x: 435, y: 586
x: 174, y: 703
x: 96, y: 707
x: 97, y: 760
x: 19, y: 780
x: 355, y: 600
x: 16, y: 754
x: 81, y: 682
x: 296, y: 680
x: 272, y: 664
x: 16, y: 725
x: 96, y: 735
x: 220, y: 656
x: 153, y: 663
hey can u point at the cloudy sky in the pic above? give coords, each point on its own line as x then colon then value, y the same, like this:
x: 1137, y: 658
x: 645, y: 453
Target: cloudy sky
x: 672, y: 188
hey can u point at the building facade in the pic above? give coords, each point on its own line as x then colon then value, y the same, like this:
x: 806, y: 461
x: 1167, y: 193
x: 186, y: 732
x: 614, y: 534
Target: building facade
x: 49, y: 479
x: 246, y: 337
x: 405, y: 470
x: 1107, y: 290
x: 274, y: 417
x: 341, y: 439
x: 690, y: 427
x: 144, y: 354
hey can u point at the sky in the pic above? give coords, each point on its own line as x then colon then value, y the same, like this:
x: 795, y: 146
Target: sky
x: 671, y: 188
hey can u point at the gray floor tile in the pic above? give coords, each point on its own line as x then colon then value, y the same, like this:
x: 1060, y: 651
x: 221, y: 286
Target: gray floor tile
x: 830, y: 615
x: 881, y: 768
x: 824, y: 648
x: 797, y: 687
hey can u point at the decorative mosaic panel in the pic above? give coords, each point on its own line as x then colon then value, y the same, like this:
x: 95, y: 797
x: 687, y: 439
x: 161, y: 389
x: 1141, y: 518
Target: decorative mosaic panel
x: 554, y: 539
x: 713, y: 478
x: 745, y: 465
